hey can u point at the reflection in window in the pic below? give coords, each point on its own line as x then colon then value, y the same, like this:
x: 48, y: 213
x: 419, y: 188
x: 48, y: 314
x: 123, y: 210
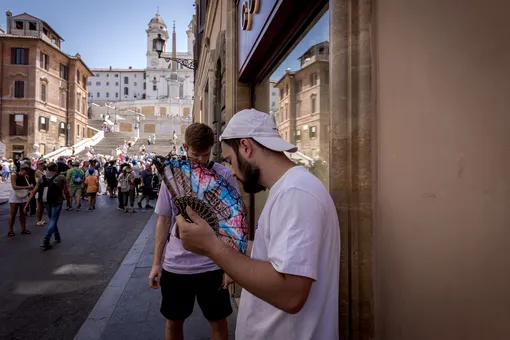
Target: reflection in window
x: 302, y: 120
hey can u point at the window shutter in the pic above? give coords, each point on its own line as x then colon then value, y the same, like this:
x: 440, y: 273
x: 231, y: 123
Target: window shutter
x: 26, y: 56
x: 25, y: 125
x: 12, y: 125
x: 13, y: 55
x: 47, y: 65
x: 40, y: 125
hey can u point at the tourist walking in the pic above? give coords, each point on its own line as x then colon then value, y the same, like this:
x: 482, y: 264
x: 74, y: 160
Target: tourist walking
x: 52, y: 187
x: 18, y: 198
x: 75, y: 177
x: 39, y: 172
x: 91, y: 188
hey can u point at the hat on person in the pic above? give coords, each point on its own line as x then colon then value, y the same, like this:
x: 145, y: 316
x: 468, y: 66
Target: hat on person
x: 91, y: 171
x: 128, y: 169
x: 259, y: 126
x: 24, y: 166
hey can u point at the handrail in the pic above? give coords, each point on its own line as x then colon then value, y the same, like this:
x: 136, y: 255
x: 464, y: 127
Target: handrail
x: 78, y: 147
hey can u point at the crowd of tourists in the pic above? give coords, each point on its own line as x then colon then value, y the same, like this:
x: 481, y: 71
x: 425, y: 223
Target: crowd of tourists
x: 73, y: 184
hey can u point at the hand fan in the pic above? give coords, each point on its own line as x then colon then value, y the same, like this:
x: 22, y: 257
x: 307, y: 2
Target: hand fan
x: 209, y: 195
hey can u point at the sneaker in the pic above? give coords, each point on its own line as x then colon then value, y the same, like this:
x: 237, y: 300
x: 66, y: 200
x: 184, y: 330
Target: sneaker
x: 93, y: 207
x: 140, y: 205
x: 89, y: 209
x: 58, y: 239
x: 41, y: 223
x: 69, y: 208
x: 120, y: 208
x: 78, y: 208
x: 46, y: 245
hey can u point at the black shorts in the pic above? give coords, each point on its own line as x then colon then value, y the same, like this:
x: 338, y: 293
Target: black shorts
x: 91, y: 194
x: 179, y: 291
x: 147, y: 191
x: 112, y: 183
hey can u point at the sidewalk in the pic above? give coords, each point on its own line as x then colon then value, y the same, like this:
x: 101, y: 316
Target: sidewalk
x: 128, y: 309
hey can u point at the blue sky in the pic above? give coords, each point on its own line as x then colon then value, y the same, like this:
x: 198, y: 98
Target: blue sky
x: 318, y: 33
x: 106, y: 32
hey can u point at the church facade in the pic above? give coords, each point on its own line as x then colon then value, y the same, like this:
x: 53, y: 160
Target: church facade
x: 161, y: 95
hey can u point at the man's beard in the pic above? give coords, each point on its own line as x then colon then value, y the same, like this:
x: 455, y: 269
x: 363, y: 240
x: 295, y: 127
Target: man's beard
x: 251, y: 176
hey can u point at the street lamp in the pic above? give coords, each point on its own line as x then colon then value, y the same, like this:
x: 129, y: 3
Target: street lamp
x: 159, y: 42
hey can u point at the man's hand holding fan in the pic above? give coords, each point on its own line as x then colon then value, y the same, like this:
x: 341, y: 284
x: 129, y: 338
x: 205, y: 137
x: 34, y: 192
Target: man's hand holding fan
x: 204, y: 197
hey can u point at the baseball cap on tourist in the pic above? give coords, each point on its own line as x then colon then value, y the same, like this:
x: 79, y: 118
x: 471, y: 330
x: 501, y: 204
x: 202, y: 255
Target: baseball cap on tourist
x: 258, y: 125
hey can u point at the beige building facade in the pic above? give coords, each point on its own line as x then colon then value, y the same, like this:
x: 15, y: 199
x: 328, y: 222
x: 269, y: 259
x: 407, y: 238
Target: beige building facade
x: 43, y: 90
x: 416, y: 107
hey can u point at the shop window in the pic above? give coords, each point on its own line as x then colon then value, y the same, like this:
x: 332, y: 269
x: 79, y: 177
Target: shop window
x: 43, y: 124
x: 62, y: 129
x: 302, y: 68
x: 18, y: 125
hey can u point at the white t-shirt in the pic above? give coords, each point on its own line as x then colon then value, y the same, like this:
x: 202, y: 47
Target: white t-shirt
x: 298, y: 232
x: 136, y: 171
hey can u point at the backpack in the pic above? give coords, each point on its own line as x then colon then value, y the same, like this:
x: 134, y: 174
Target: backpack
x: 77, y: 178
x: 50, y: 190
x: 124, y: 184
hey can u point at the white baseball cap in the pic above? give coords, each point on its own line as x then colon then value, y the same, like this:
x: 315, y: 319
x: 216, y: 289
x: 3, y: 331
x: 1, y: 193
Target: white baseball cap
x: 260, y: 126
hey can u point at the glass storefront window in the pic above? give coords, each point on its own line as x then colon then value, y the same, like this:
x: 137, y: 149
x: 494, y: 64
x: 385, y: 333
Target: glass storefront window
x: 299, y: 99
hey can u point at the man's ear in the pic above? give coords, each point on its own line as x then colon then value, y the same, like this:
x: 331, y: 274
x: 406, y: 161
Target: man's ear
x: 185, y: 146
x: 246, y: 147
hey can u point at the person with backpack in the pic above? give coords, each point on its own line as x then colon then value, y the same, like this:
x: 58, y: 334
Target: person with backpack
x: 75, y: 177
x: 127, y: 188
x: 52, y: 187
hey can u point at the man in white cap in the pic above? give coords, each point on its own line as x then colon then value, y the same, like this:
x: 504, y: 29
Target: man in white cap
x: 291, y: 280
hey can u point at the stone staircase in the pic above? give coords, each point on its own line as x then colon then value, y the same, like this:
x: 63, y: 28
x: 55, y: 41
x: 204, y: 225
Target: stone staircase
x: 108, y: 144
x: 161, y: 148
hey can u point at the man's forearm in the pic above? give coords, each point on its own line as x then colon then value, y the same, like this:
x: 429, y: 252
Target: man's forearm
x: 162, y: 230
x: 257, y: 277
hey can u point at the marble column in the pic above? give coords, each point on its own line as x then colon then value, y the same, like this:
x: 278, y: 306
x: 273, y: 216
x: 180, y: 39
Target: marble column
x: 351, y: 160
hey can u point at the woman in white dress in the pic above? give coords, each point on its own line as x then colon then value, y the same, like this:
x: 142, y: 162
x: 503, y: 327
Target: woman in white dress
x: 18, y: 197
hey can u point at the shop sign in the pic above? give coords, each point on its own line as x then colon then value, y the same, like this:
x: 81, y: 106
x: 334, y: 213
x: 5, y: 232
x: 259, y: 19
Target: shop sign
x: 249, y: 8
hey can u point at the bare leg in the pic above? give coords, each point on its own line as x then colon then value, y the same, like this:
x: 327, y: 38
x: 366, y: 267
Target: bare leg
x: 12, y: 216
x: 219, y: 329
x: 174, y: 330
x: 90, y: 201
x: 22, y: 217
x: 40, y: 211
